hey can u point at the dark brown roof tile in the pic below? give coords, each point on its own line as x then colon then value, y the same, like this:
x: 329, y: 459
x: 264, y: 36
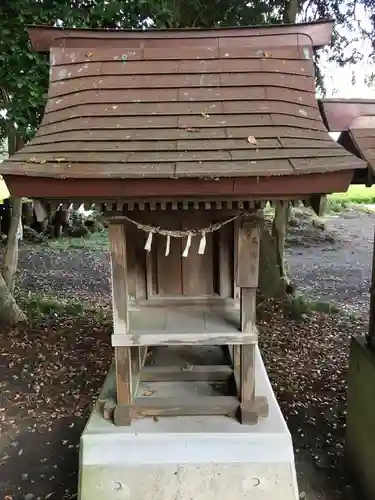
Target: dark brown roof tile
x: 198, y: 103
x: 355, y: 120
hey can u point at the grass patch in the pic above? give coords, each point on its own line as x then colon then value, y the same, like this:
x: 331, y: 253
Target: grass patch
x: 95, y: 241
x: 36, y: 305
x: 40, y: 307
x: 355, y: 195
x: 299, y: 307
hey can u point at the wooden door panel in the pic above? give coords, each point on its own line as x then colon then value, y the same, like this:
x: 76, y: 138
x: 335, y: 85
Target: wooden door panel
x: 197, y: 270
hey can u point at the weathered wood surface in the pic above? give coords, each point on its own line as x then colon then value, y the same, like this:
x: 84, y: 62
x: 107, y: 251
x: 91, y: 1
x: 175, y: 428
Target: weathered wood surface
x: 163, y: 407
x: 253, y: 410
x: 124, y: 384
x: 247, y: 309
x: 117, y: 239
x: 153, y: 98
x: 226, y: 261
x: 184, y: 325
x: 188, y: 372
x: 188, y: 338
x: 247, y: 375
x: 371, y: 330
x: 248, y: 255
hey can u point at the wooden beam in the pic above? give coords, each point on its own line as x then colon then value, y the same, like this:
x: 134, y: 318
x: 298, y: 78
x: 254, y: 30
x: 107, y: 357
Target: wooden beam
x: 248, y: 255
x: 177, y: 373
x: 247, y: 279
x: 188, y: 338
x: 371, y: 330
x: 117, y: 238
x: 124, y: 385
x: 251, y: 412
x: 123, y: 358
x: 138, y: 358
x: 225, y: 265
x: 247, y: 311
x: 247, y: 383
x: 163, y: 407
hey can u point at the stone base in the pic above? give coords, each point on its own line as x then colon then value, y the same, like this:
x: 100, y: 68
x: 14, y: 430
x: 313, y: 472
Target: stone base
x: 190, y: 458
x: 361, y: 417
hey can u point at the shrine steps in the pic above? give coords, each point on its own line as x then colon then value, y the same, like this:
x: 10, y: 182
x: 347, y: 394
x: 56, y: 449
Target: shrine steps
x: 191, y: 457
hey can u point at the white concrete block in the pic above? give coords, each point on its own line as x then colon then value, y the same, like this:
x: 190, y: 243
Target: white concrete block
x: 190, y: 458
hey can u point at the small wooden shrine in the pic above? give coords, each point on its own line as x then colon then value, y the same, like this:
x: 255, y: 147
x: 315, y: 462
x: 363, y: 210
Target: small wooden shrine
x: 181, y: 137
x: 354, y: 120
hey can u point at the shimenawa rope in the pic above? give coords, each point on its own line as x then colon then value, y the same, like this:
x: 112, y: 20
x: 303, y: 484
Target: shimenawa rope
x: 188, y: 233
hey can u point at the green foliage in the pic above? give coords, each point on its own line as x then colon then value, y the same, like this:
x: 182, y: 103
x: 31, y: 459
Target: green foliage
x: 24, y: 73
x: 355, y: 196
x: 299, y: 307
x: 92, y: 242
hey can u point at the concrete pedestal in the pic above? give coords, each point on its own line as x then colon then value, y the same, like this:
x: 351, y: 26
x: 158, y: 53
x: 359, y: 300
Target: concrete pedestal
x: 361, y: 417
x: 190, y: 458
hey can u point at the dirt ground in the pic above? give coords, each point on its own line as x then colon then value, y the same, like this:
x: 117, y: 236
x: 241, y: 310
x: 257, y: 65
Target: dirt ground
x: 335, y: 265
x: 51, y: 371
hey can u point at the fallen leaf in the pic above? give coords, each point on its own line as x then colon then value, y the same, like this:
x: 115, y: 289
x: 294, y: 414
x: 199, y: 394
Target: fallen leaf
x: 188, y: 367
x: 267, y: 54
x: 148, y: 393
x: 205, y: 114
x: 89, y: 54
x: 251, y: 139
x: 33, y: 159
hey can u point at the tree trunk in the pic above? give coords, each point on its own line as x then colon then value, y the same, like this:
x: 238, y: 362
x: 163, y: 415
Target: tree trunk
x: 291, y: 11
x: 10, y: 313
x: 11, y: 251
x: 15, y: 143
x: 273, y: 279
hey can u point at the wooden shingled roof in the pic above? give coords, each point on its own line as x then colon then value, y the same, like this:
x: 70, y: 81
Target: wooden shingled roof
x: 355, y: 120
x: 181, y: 103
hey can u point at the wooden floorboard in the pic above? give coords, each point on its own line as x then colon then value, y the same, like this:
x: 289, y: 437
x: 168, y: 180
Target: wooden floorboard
x: 186, y: 325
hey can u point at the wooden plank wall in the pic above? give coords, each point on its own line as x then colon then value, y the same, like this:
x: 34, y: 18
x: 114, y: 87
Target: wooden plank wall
x: 152, y: 274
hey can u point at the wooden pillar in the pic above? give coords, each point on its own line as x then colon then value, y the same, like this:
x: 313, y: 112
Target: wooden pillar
x: 371, y: 330
x: 123, y: 361
x: 247, y: 279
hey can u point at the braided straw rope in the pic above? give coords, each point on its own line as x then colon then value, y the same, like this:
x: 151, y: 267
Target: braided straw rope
x: 188, y: 233
x: 182, y: 234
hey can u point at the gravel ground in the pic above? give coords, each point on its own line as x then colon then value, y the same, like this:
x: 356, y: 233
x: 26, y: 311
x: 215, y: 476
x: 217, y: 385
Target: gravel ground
x: 51, y: 371
x: 336, y: 265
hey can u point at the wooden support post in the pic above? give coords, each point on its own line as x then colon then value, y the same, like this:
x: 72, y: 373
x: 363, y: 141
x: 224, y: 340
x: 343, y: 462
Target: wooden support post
x: 247, y: 280
x: 117, y: 237
x: 124, y: 389
x: 371, y: 330
x: 279, y: 229
x: 225, y: 266
x: 248, y: 255
x: 124, y: 386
